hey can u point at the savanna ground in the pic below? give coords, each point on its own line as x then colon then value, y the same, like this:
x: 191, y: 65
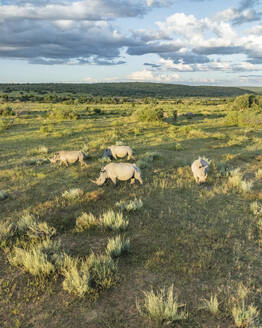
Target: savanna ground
x: 203, y: 239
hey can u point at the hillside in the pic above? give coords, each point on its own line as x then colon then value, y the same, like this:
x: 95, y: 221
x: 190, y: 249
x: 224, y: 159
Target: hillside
x: 134, y: 89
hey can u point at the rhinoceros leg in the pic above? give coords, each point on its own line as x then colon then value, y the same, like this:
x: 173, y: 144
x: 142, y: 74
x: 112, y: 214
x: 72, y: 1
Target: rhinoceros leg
x: 113, y: 180
x: 133, y: 180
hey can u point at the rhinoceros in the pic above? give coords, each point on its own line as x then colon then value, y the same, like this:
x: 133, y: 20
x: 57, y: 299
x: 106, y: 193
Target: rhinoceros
x: 120, y: 171
x: 200, y: 168
x: 119, y: 151
x: 69, y: 157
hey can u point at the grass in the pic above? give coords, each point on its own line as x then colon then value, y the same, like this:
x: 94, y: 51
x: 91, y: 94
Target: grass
x: 201, y: 238
x: 113, y: 220
x: 130, y: 205
x: 117, y: 246
x: 162, y: 306
x: 211, y: 304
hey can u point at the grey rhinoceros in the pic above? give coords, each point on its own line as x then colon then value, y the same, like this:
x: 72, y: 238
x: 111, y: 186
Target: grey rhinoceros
x: 119, y: 151
x: 69, y: 157
x: 200, y: 169
x: 120, y: 171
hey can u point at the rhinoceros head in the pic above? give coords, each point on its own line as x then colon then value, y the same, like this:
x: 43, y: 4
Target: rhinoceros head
x: 102, y: 178
x: 55, y: 158
x: 107, y: 152
x: 203, y: 173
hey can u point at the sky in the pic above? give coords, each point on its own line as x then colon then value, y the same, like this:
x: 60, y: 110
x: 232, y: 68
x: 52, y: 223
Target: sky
x: 194, y: 42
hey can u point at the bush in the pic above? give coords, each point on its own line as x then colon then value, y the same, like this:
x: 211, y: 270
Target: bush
x: 149, y: 114
x: 63, y: 114
x: 6, y: 124
x: 162, y: 307
x: 247, y: 102
x: 6, y: 111
x: 113, y: 221
x: 85, y: 222
x: 117, y: 246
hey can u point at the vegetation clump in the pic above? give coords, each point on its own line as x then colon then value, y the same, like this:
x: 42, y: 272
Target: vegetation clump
x: 162, y: 307
x: 7, y: 111
x: 117, y: 246
x: 113, y: 220
x: 86, y: 222
x: 63, y: 114
x: 149, y: 114
x: 130, y: 205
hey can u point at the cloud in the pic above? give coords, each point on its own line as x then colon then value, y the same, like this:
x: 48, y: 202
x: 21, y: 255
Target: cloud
x: 245, y: 13
x: 147, y: 75
x: 50, y: 43
x: 76, y: 10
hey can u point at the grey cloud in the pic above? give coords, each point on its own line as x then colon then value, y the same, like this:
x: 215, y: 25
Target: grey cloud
x: 188, y: 58
x: 147, y: 36
x: 74, y: 10
x: 230, y: 50
x: 156, y: 48
x: 152, y: 65
x: 45, y: 43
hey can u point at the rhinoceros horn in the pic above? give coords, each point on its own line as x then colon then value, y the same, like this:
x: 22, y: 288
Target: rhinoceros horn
x: 93, y: 181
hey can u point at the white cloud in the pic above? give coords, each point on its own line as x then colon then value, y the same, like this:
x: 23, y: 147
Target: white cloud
x: 147, y: 75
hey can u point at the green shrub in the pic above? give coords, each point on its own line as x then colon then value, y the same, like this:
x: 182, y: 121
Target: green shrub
x: 247, y: 102
x: 117, y: 246
x: 149, y: 114
x: 113, y: 220
x: 6, y: 111
x: 85, y: 222
x: 6, y: 124
x: 162, y: 307
x: 63, y: 114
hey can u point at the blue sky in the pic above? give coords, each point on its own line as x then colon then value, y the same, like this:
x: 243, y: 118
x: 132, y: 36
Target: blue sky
x: 197, y: 42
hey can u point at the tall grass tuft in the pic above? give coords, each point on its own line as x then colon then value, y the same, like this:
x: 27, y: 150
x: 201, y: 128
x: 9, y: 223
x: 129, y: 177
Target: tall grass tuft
x: 34, y: 260
x: 72, y: 193
x: 259, y: 174
x: 130, y: 205
x: 244, y: 315
x: 27, y: 225
x: 113, y: 220
x: 211, y: 305
x: 77, y: 276
x: 256, y: 208
x: 103, y: 271
x: 86, y: 222
x: 247, y: 186
x: 162, y: 307
x: 7, y: 231
x: 117, y: 246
